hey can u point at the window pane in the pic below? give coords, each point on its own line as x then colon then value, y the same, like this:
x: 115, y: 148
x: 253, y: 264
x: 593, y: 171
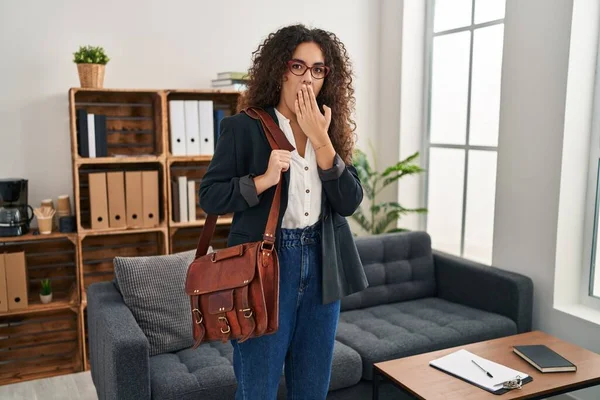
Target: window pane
x: 485, y: 85
x: 449, y: 88
x: 489, y: 10
x: 481, y: 195
x: 445, y: 198
x: 451, y: 14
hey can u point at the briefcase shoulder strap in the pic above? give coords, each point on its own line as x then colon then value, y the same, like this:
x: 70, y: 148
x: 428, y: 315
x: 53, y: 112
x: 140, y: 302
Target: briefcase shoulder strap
x: 275, y: 135
x: 277, y: 140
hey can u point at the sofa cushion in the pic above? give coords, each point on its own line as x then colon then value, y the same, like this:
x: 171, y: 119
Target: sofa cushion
x: 399, y: 267
x: 391, y: 331
x: 207, y: 372
x: 346, y: 368
x: 153, y: 289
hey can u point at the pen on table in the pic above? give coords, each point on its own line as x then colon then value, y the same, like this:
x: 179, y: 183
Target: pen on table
x: 488, y: 374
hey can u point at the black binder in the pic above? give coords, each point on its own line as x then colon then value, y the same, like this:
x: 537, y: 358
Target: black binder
x: 82, y: 133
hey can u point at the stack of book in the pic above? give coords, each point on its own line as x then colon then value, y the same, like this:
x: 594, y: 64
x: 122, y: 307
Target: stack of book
x: 231, y: 81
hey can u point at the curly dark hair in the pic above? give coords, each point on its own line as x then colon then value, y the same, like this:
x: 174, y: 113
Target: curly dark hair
x: 269, y: 65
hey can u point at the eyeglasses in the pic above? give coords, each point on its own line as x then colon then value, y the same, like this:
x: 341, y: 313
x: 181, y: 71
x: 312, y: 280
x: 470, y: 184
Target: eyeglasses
x: 298, y: 68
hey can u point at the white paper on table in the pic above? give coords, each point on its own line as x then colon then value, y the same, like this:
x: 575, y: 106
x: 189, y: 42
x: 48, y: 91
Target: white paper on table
x: 459, y: 363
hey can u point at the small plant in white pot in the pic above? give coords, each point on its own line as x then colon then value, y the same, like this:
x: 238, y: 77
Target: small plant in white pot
x: 46, y: 292
x: 91, y: 62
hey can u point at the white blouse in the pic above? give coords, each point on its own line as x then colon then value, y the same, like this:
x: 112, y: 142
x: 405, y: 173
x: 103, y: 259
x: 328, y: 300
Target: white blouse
x: 304, y: 196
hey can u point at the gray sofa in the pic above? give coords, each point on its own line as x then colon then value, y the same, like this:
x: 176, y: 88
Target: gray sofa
x: 418, y: 300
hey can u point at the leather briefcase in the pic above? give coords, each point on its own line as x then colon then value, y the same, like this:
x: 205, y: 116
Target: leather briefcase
x: 234, y: 292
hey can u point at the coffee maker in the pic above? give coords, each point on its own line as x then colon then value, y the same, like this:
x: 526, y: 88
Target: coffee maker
x: 14, y: 210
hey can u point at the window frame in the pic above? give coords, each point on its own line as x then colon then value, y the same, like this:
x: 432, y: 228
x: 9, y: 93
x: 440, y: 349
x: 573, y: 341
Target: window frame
x: 427, y: 145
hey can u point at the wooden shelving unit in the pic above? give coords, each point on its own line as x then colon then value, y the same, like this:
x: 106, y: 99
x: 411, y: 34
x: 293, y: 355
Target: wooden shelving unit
x: 138, y: 132
x: 51, y: 339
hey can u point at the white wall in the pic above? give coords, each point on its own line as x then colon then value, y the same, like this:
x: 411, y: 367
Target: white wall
x: 385, y: 144
x: 153, y: 44
x: 401, y: 97
x: 532, y: 123
x: 411, y: 193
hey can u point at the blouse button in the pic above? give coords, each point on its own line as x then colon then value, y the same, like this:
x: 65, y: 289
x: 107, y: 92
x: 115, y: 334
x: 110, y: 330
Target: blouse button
x: 307, y: 190
x: 306, y: 214
x: 306, y: 168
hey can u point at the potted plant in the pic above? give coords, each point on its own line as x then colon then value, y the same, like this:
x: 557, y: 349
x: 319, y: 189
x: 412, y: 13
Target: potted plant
x: 91, y: 62
x: 46, y: 292
x: 374, y: 182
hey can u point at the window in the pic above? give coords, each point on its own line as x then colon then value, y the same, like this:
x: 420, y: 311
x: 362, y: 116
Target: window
x: 463, y: 90
x: 591, y: 279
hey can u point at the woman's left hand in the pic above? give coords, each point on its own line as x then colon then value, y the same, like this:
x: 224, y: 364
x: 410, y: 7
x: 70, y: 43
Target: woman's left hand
x: 314, y: 124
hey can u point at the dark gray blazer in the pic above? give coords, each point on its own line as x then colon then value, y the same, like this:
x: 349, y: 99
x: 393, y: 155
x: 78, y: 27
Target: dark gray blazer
x: 242, y: 152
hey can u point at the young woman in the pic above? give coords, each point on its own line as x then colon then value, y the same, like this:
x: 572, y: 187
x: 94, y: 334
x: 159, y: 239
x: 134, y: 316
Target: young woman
x: 302, y: 77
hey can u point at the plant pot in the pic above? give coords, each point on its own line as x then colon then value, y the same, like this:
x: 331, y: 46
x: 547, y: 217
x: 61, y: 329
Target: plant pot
x: 46, y: 298
x: 91, y: 75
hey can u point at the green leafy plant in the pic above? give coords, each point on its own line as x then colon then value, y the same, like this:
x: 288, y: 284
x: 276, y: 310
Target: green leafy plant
x: 380, y: 215
x: 46, y: 287
x: 90, y: 55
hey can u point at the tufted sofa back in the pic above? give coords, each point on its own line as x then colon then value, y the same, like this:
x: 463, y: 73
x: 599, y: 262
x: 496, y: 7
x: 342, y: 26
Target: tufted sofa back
x: 399, y: 267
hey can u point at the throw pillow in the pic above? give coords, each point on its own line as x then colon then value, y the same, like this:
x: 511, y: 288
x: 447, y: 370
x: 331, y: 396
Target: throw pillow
x: 154, y: 290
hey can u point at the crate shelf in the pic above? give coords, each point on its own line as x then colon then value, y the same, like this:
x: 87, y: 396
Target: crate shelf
x: 183, y: 239
x: 98, y: 252
x: 60, y: 301
x: 82, y: 194
x: 134, y: 120
x: 39, y: 345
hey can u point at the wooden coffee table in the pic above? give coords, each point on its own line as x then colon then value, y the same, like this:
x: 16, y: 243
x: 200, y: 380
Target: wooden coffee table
x: 414, y: 376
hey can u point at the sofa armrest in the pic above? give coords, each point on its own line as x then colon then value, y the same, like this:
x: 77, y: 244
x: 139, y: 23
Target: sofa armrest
x: 484, y: 287
x: 119, y: 350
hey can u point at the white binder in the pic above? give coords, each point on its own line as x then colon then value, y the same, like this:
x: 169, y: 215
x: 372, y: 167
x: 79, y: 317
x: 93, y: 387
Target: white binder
x: 183, y: 198
x: 207, y: 127
x: 177, y: 126
x: 191, y: 200
x: 192, y: 128
x: 91, y: 135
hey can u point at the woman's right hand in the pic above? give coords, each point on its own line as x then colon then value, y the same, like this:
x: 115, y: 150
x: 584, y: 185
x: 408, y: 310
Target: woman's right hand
x: 278, y: 161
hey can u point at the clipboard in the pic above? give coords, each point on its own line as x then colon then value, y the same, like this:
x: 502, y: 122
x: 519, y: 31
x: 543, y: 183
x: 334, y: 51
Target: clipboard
x: 460, y: 365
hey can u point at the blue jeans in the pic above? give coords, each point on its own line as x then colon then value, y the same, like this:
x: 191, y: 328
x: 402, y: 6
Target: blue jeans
x: 304, y: 340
